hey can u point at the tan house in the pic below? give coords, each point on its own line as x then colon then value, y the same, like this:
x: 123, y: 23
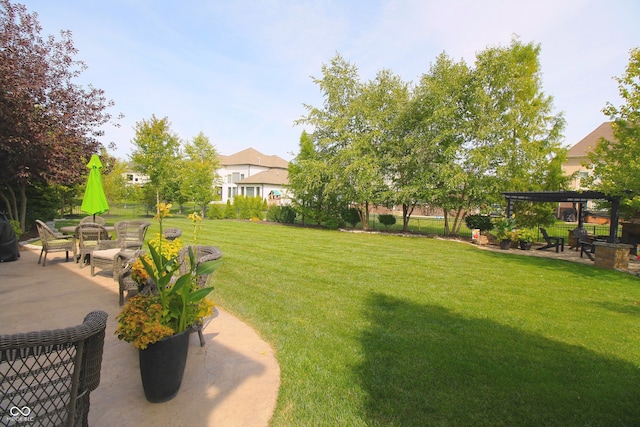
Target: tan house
x: 578, y: 154
x: 251, y: 173
x: 576, y: 157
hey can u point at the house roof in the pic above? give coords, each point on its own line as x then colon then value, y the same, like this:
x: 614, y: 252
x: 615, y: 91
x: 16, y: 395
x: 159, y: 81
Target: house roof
x: 251, y: 156
x: 271, y: 176
x: 588, y: 143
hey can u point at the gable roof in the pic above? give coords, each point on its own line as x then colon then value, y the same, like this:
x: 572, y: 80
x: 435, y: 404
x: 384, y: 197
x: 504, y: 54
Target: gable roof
x: 271, y: 176
x: 588, y: 143
x: 251, y: 156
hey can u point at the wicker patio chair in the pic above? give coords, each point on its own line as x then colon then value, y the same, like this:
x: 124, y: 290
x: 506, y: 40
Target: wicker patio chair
x: 125, y: 281
x: 90, y: 236
x: 129, y: 238
x: 130, y: 234
x: 203, y: 254
x: 54, y: 242
x: 46, y: 377
x: 96, y: 220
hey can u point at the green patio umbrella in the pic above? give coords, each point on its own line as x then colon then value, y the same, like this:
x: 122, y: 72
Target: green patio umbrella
x: 94, y: 201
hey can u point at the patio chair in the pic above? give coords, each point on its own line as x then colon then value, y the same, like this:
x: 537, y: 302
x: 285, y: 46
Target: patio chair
x: 48, y: 375
x: 552, y: 242
x: 54, y: 242
x: 125, y: 281
x: 203, y: 254
x: 584, y: 243
x: 90, y: 236
x: 97, y: 220
x: 131, y: 234
x: 129, y: 238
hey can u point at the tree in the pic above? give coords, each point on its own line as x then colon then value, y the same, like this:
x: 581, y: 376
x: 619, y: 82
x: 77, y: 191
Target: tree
x: 511, y: 136
x: 199, y: 172
x: 114, y: 179
x: 516, y: 128
x: 349, y: 131
x: 614, y: 164
x: 155, y: 152
x: 48, y: 122
x: 422, y: 161
x: 308, y: 177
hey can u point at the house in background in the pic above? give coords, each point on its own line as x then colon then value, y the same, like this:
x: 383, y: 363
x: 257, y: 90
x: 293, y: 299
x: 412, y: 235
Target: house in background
x: 579, y: 154
x: 573, y: 166
x: 250, y: 173
x: 135, y: 178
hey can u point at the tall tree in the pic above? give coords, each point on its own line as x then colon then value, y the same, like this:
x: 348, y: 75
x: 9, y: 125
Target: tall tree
x: 512, y: 141
x: 516, y: 126
x: 614, y: 164
x: 422, y: 162
x: 155, y: 152
x: 349, y: 131
x: 308, y: 177
x: 199, y: 171
x: 49, y: 124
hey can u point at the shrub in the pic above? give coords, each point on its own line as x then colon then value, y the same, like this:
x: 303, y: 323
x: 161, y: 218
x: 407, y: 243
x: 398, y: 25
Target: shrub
x: 387, y: 220
x: 332, y: 223
x: 481, y: 222
x: 248, y: 207
x: 282, y: 214
x: 16, y: 227
x: 230, y: 211
x: 215, y: 211
x: 350, y: 216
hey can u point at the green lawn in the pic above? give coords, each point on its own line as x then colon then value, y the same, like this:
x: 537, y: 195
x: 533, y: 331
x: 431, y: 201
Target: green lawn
x: 376, y: 329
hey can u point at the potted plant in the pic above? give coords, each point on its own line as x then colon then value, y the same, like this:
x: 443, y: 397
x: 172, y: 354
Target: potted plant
x: 504, y: 232
x: 526, y: 237
x: 159, y: 319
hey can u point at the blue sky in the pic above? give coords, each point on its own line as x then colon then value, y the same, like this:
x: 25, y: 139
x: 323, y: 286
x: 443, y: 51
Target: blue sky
x: 240, y: 71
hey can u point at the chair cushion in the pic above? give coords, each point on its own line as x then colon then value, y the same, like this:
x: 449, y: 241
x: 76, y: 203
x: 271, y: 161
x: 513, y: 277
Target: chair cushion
x: 106, y: 253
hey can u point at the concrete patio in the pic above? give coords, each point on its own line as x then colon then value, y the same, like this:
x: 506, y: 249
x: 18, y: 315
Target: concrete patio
x: 569, y: 254
x: 232, y: 381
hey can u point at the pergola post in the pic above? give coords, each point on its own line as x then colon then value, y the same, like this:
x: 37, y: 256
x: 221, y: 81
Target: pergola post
x: 613, y: 223
x: 509, y: 208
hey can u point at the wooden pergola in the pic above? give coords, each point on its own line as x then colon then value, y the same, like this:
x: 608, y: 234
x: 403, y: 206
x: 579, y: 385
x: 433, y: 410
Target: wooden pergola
x: 578, y: 197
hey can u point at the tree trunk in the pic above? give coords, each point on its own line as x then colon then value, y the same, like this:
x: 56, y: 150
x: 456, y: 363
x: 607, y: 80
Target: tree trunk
x: 23, y: 206
x: 407, y: 210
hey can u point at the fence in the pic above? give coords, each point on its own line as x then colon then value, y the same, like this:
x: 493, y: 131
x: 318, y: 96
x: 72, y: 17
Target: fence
x: 133, y: 210
x: 436, y: 226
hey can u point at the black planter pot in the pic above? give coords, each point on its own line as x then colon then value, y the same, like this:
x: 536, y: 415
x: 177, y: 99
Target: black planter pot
x: 505, y: 244
x: 525, y: 246
x: 162, y: 366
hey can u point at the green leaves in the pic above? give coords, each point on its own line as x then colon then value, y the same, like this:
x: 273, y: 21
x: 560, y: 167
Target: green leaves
x: 615, y: 163
x: 180, y: 297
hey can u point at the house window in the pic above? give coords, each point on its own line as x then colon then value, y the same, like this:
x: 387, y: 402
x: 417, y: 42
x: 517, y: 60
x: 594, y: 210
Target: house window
x: 235, y: 178
x: 249, y: 191
x: 258, y: 191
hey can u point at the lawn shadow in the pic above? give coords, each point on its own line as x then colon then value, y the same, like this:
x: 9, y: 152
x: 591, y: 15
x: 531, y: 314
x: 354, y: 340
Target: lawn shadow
x: 425, y: 365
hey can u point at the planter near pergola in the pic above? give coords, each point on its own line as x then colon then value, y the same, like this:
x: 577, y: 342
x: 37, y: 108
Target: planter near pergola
x: 610, y: 254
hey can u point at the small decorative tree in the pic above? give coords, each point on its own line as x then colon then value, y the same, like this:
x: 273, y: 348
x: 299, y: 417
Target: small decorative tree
x: 387, y: 220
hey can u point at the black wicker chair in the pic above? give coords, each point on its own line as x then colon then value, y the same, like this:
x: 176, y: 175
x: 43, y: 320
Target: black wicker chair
x: 46, y: 377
